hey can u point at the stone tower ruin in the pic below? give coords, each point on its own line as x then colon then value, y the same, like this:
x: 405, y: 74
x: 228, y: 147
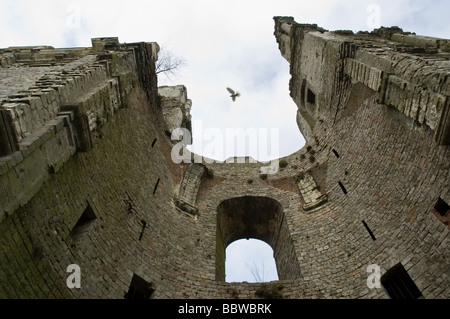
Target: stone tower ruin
x: 87, y: 177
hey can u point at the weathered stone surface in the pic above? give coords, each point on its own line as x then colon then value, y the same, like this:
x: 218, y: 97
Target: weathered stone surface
x: 175, y: 107
x: 310, y: 192
x: 373, y: 108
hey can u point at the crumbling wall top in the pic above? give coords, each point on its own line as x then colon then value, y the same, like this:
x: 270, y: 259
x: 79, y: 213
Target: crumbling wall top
x: 410, y: 72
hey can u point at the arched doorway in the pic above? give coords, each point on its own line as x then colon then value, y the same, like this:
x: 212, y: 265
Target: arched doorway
x: 255, y: 217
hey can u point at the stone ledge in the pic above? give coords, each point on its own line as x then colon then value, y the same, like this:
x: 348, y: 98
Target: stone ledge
x: 319, y: 203
x: 185, y: 208
x: 22, y: 173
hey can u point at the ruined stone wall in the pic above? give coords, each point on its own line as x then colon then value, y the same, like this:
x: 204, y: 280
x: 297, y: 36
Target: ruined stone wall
x: 383, y: 165
x: 123, y: 179
x: 93, y: 182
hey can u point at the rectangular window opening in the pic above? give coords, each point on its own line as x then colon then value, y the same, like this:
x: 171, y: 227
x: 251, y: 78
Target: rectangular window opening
x: 369, y: 230
x: 310, y: 97
x: 342, y: 187
x: 399, y: 284
x: 83, y: 224
x: 139, y: 289
x: 441, y: 207
x: 156, y: 186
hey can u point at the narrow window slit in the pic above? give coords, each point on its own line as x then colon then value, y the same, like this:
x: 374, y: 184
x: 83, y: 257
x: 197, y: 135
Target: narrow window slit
x: 156, y: 186
x: 144, y: 225
x: 342, y: 187
x: 335, y: 152
x: 310, y: 97
x: 369, y: 230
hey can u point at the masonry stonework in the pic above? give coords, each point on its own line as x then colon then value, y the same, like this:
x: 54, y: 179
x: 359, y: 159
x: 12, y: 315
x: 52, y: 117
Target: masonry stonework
x: 85, y: 148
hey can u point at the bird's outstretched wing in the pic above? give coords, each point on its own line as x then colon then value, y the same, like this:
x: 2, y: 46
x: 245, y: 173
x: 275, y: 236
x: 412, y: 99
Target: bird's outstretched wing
x: 230, y: 90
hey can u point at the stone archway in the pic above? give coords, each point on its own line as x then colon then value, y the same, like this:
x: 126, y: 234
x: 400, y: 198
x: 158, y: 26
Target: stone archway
x: 255, y: 217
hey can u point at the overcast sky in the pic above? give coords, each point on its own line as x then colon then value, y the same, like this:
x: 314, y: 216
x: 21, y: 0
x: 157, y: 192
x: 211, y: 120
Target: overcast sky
x: 224, y: 43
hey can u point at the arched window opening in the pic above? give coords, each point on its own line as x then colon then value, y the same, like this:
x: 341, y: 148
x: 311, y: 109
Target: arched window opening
x: 260, y: 218
x: 250, y: 260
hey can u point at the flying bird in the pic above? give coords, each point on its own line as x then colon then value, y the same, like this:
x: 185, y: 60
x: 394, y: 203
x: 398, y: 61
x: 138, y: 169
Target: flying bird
x: 233, y: 94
